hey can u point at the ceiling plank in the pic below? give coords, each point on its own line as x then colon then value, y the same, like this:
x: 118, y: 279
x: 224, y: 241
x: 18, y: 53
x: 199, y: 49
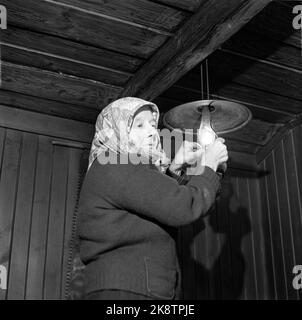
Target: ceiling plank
x: 261, y: 47
x: 275, y: 22
x: 70, y: 49
x: 145, y: 13
x: 205, y: 31
x: 266, y: 100
x: 243, y: 95
x: 225, y: 88
x: 82, y: 27
x: 228, y: 67
x: 58, y: 65
x: 51, y: 107
x: 53, y: 86
x: 189, y: 5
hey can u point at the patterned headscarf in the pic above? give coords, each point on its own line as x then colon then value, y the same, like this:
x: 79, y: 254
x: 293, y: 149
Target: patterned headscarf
x: 112, y: 132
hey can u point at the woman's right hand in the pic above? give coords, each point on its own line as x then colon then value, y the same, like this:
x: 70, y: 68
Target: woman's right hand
x: 215, y: 154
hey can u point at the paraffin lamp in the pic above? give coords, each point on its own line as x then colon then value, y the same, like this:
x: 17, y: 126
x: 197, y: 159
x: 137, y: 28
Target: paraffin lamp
x: 208, y: 118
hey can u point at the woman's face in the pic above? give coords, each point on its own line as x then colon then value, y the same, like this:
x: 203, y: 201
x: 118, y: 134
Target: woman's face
x: 143, y: 129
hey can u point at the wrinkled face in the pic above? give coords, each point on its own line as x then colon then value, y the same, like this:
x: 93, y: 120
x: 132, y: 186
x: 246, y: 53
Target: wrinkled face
x: 143, y: 129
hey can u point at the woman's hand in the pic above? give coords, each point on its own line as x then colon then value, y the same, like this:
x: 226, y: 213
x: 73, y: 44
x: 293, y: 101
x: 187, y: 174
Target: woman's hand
x: 215, y: 154
x: 188, y: 153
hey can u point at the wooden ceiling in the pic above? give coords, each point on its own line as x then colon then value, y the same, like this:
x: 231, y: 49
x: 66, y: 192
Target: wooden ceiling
x: 70, y: 58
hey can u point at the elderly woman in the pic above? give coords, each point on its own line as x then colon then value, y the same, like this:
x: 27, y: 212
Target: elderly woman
x: 129, y: 212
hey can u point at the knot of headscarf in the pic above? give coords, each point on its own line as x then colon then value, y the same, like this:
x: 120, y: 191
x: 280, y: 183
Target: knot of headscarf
x: 112, y: 132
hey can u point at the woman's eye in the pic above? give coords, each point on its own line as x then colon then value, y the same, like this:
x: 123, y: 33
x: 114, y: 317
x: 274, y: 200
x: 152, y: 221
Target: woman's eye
x: 139, y: 125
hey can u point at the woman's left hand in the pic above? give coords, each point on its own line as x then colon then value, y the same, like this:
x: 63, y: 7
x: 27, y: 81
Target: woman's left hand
x: 188, y: 153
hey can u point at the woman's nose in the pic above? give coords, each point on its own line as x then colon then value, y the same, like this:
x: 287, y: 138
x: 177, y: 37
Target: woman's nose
x: 151, y: 130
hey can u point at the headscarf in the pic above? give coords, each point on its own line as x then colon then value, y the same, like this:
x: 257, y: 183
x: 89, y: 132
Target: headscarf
x: 112, y: 132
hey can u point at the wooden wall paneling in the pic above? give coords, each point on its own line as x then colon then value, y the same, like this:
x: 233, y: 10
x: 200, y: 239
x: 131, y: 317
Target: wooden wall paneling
x: 296, y: 141
x: 40, y: 217
x: 64, y: 66
x: 2, y: 144
x: 237, y: 221
x: 268, y: 233
x: 50, y: 85
x: 201, y: 257
x: 70, y: 50
x: 56, y: 225
x: 145, y: 13
x: 224, y: 207
x: 46, y: 125
x: 23, y: 218
x: 73, y: 190
x: 293, y: 188
x: 277, y: 244
x: 8, y: 190
x: 187, y: 262
x: 213, y: 256
x: 256, y: 216
x: 83, y: 27
x: 285, y: 218
x: 247, y: 239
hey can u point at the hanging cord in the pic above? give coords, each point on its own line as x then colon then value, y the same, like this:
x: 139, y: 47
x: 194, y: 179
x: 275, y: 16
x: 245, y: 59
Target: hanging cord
x: 204, y: 85
x: 207, y: 76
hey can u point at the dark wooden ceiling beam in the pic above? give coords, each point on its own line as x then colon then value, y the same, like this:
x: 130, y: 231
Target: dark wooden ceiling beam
x: 54, y: 86
x: 140, y: 13
x: 213, y: 23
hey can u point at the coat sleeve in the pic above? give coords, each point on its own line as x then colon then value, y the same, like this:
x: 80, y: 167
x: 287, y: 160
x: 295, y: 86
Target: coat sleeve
x: 146, y: 191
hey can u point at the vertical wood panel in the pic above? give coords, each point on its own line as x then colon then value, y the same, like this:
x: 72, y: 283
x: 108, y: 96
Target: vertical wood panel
x: 23, y: 215
x: 188, y: 266
x: 213, y: 255
x: 281, y: 203
x: 38, y: 239
x: 53, y: 267
x: 8, y: 191
x: 223, y: 208
x: 269, y: 253
x: 284, y: 218
x: 74, y: 174
x: 2, y: 144
x: 247, y: 239
x: 259, y: 238
x: 276, y: 234
x: 293, y: 187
